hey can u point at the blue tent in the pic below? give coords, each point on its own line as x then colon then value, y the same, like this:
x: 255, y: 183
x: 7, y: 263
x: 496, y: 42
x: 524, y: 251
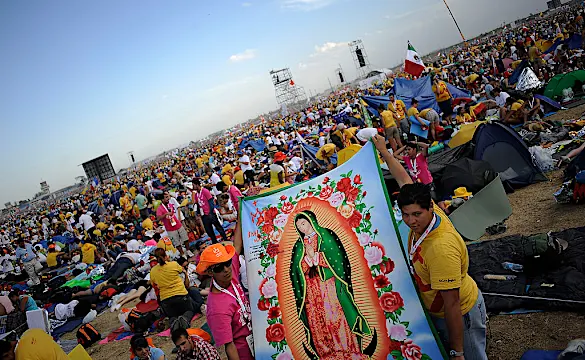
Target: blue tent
x: 258, y: 145
x: 457, y: 92
x: 421, y: 89
x: 574, y: 42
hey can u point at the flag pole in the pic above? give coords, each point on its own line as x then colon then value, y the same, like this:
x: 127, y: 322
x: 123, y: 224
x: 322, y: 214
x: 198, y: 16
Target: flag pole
x: 455, y: 21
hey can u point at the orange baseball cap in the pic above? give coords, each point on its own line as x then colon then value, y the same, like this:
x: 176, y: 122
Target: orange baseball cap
x: 214, y: 254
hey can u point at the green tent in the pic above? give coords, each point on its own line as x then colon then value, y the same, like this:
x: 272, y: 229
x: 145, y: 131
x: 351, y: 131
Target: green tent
x: 563, y: 81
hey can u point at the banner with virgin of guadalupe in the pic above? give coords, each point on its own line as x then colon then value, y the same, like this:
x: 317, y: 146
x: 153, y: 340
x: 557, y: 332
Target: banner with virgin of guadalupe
x: 327, y: 276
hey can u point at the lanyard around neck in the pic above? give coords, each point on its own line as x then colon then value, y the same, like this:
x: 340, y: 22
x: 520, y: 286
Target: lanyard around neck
x: 418, y: 243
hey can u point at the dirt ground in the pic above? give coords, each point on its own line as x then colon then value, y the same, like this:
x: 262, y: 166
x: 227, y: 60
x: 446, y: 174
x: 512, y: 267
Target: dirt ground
x: 509, y: 336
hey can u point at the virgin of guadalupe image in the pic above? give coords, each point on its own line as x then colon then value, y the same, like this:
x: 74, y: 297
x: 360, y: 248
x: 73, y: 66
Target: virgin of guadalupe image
x: 322, y: 285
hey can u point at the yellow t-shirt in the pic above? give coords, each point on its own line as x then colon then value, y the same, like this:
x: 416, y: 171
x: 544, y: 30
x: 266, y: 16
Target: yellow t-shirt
x: 133, y: 191
x: 205, y: 158
x: 35, y: 344
x: 88, y: 253
x: 167, y: 280
x: 226, y: 180
x: 412, y: 111
x: 166, y: 244
x: 239, y: 177
x: 388, y: 119
x: 326, y: 151
x: 399, y: 107
x: 442, y: 94
x: 423, y: 113
x: 147, y: 224
x: 52, y: 259
x: 101, y: 226
x: 125, y: 203
x: 199, y: 162
x: 444, y: 267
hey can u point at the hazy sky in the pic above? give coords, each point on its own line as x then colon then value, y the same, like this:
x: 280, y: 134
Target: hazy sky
x: 79, y: 79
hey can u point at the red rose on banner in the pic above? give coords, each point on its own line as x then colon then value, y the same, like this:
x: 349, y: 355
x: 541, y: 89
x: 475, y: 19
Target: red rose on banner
x: 287, y: 208
x: 410, y: 350
x: 263, y: 305
x: 391, y: 301
x: 260, y: 220
x: 387, y: 267
x: 395, y: 346
x: 325, y: 180
x: 364, y: 194
x: 275, y: 333
x: 357, y: 179
x: 272, y: 250
x: 283, y: 197
x: 268, y: 228
x: 381, y: 281
x: 274, y: 312
x: 355, y: 219
x: 368, y: 216
x: 326, y: 192
x: 351, y: 194
x: 270, y: 214
x: 343, y: 185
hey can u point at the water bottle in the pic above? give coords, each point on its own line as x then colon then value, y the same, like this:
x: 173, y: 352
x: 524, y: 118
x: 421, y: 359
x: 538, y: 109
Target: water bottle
x: 512, y: 267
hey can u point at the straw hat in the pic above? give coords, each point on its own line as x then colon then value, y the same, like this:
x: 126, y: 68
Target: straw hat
x: 461, y: 192
x: 214, y: 254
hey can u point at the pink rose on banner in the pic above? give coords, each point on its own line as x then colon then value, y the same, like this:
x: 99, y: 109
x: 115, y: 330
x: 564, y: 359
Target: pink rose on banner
x: 373, y: 255
x: 280, y: 220
x: 346, y: 210
x: 410, y: 350
x: 397, y: 332
x: 364, y: 239
x: 284, y: 356
x: 336, y: 199
x: 269, y: 289
x: 271, y: 270
x: 287, y: 207
x: 326, y: 192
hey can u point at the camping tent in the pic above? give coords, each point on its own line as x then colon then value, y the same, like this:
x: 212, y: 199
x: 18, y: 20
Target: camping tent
x: 563, y: 81
x: 465, y: 134
x: 421, y: 89
x: 507, y: 153
x: 310, y: 152
x: 474, y: 175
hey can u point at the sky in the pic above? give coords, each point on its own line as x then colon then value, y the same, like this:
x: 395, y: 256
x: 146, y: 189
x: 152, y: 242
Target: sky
x: 79, y: 79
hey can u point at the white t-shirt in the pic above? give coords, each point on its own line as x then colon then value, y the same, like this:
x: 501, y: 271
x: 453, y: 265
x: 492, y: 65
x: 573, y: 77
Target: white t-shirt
x: 244, y: 167
x: 297, y: 161
x: 501, y: 99
x: 135, y: 257
x: 133, y: 245
x: 86, y: 221
x: 65, y: 311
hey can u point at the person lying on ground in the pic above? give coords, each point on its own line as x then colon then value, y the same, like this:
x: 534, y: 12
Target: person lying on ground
x: 23, y: 303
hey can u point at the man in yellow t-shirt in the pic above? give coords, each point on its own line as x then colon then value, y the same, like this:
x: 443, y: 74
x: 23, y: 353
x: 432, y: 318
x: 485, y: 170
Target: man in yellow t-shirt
x: 125, y: 202
x: 326, y: 152
x: 443, y: 98
x: 440, y: 262
x: 390, y: 128
x: 413, y: 111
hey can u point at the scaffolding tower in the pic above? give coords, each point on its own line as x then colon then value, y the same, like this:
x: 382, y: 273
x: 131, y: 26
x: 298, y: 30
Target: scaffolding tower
x: 360, y: 58
x: 285, y: 89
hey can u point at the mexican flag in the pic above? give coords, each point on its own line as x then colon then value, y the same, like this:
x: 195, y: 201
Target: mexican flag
x: 413, y: 64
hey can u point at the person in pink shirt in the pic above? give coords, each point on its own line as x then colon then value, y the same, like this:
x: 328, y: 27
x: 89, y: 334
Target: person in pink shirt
x: 234, y: 193
x: 206, y: 205
x: 227, y: 303
x: 168, y: 212
x: 416, y: 162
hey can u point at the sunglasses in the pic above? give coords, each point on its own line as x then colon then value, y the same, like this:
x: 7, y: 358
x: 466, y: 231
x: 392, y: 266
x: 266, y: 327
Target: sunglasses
x: 217, y: 268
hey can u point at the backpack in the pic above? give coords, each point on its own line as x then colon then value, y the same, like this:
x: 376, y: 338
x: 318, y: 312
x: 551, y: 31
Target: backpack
x: 87, y: 335
x: 139, y: 322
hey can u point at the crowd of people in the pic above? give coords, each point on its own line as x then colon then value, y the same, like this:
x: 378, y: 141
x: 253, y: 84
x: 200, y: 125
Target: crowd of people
x: 167, y: 230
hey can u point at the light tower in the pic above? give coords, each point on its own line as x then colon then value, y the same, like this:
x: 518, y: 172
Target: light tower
x: 285, y: 89
x: 131, y: 157
x: 340, y: 75
x: 360, y: 58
